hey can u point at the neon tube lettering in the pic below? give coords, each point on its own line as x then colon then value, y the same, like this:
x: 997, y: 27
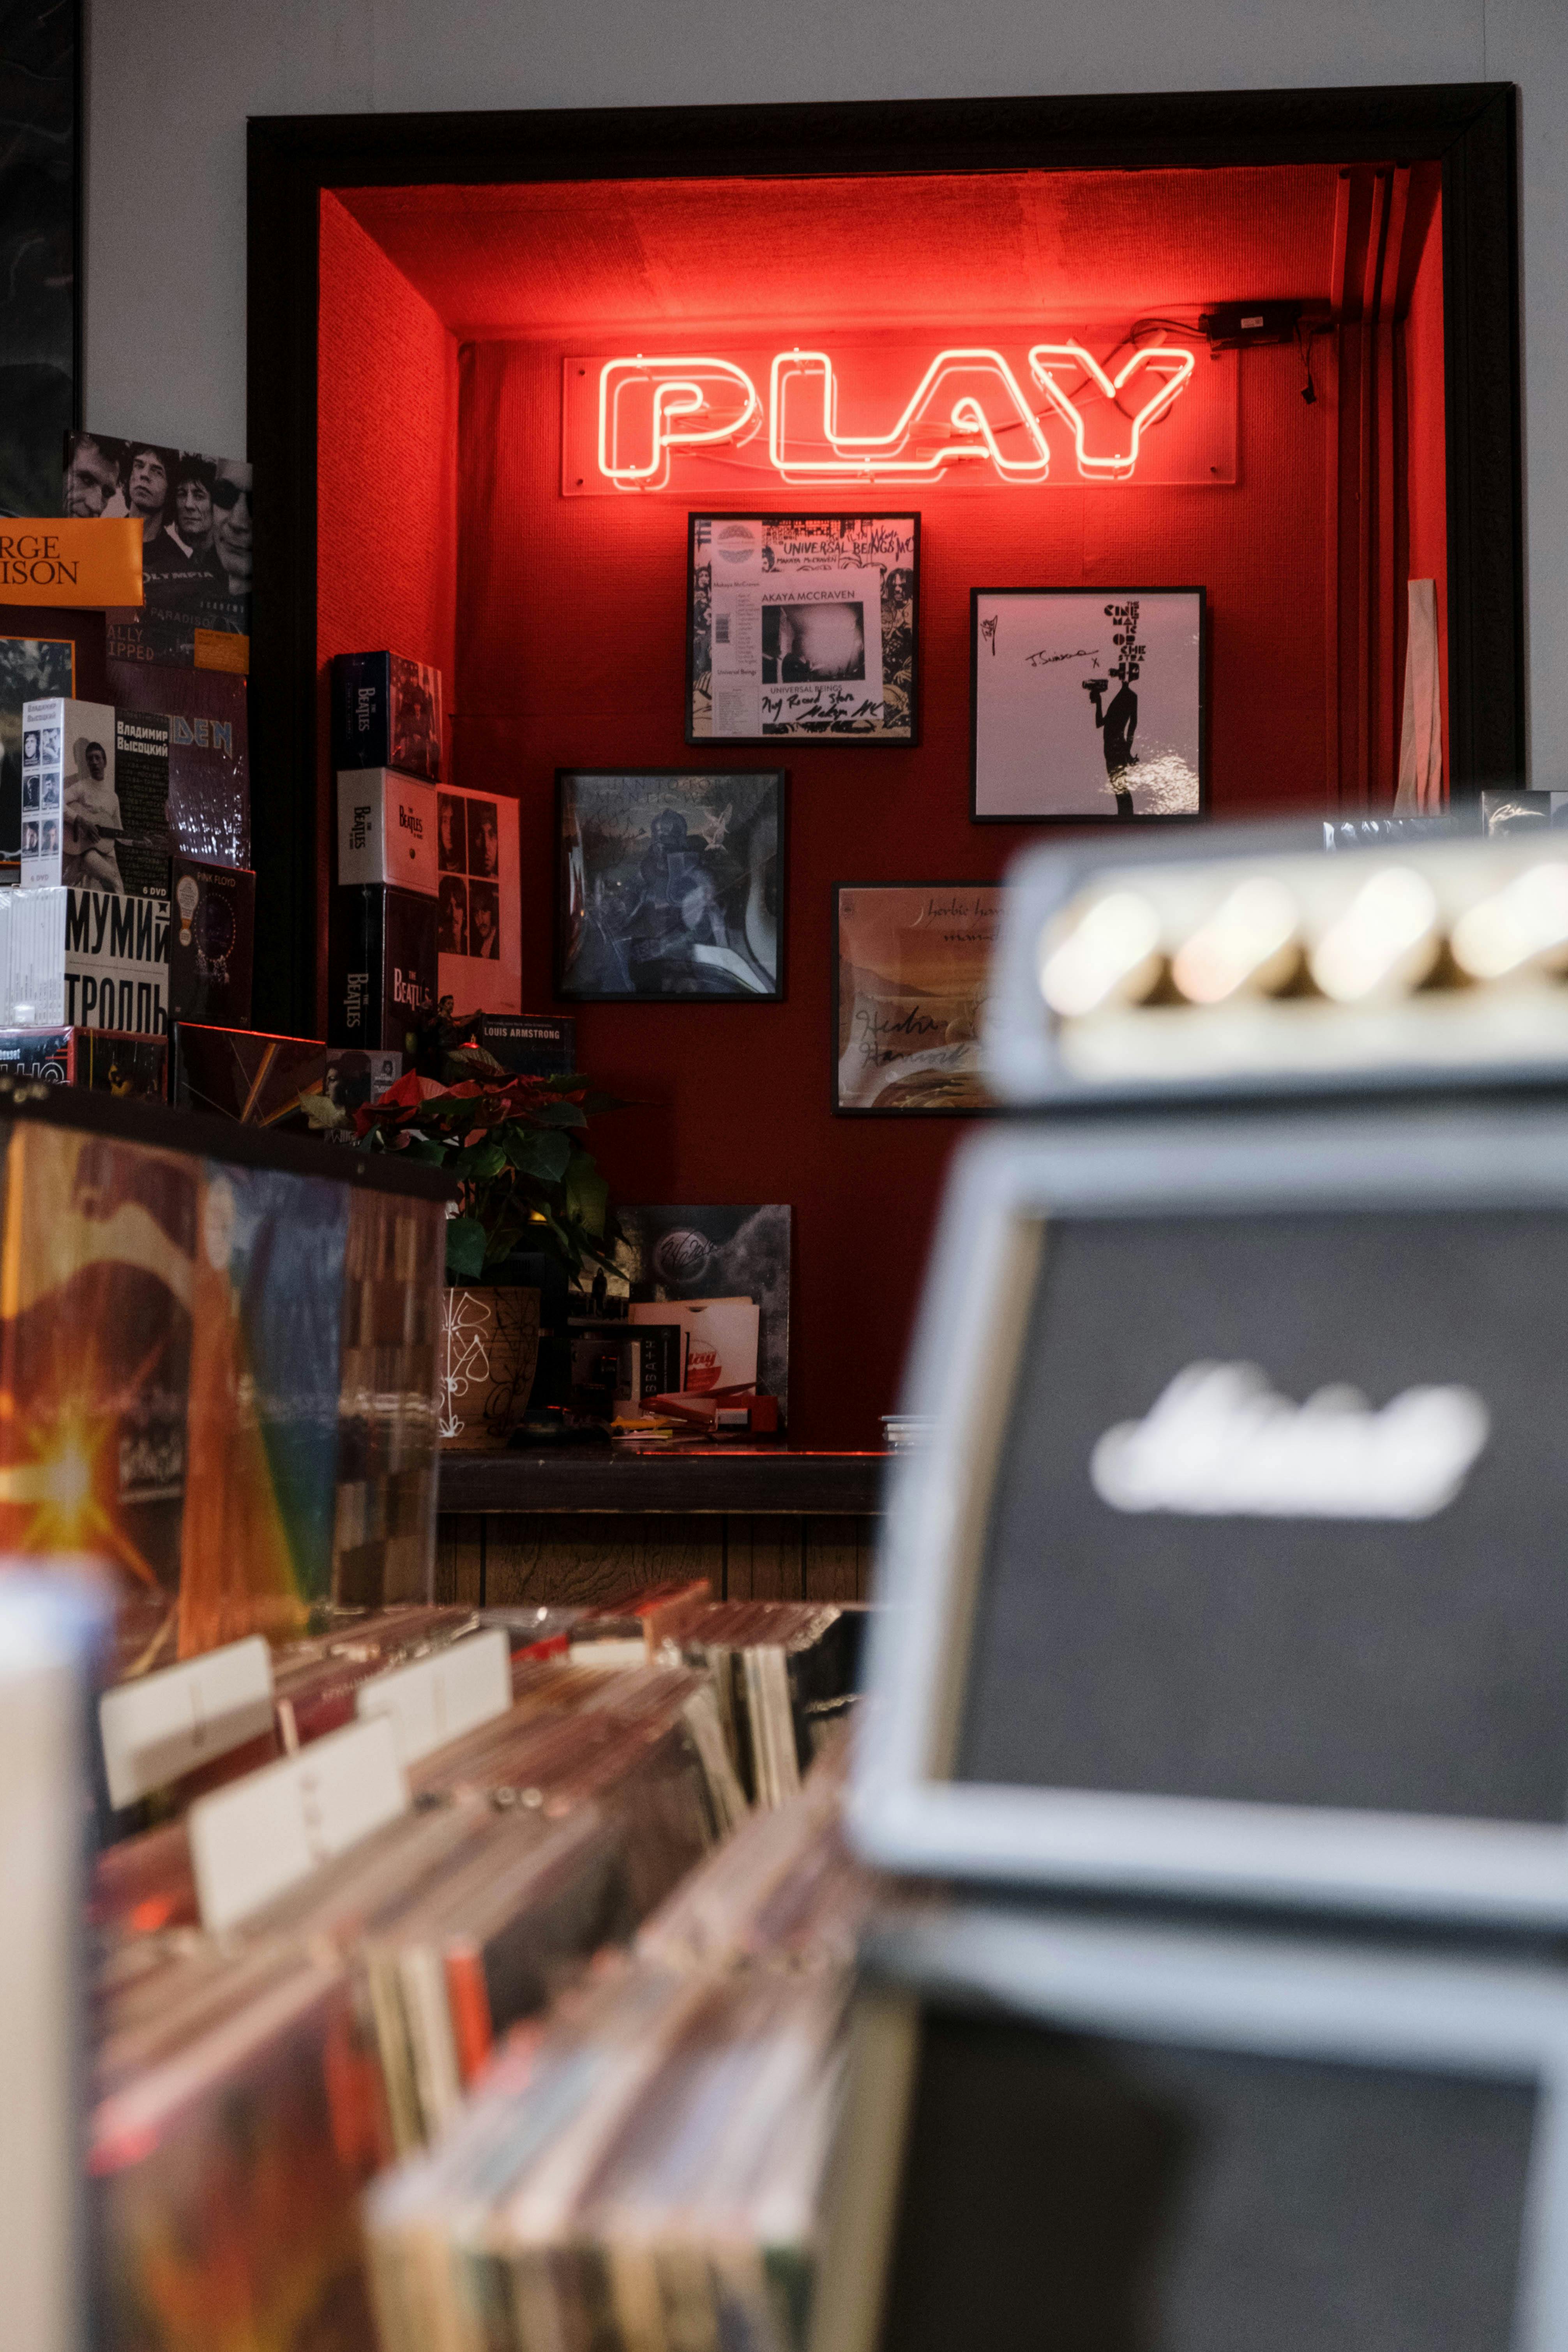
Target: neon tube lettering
x: 887, y: 457
x: 705, y: 401
x: 1048, y: 362
x: 677, y: 394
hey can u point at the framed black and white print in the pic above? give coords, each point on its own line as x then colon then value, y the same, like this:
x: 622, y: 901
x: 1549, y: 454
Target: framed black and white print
x: 802, y: 628
x: 1087, y: 703
x: 670, y: 886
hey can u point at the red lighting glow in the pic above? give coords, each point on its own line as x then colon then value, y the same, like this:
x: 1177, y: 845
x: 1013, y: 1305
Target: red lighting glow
x: 967, y: 401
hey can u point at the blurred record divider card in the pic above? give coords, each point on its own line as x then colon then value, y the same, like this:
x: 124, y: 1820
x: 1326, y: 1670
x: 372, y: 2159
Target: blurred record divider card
x: 252, y: 1841
x: 439, y: 1698
x: 166, y: 1724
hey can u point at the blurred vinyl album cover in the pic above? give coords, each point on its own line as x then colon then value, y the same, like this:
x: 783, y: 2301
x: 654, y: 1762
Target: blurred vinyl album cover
x: 39, y: 42
x: 715, y: 1252
x: 30, y: 668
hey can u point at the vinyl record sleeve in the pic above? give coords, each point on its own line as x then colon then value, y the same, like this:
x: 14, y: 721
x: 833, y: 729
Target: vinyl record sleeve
x: 478, y: 886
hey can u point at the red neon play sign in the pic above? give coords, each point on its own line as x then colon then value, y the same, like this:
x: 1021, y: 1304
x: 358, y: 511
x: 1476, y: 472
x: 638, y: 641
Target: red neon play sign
x: 969, y: 413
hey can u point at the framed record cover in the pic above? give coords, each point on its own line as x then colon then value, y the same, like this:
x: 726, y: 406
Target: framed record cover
x: 802, y: 628
x: 670, y: 887
x: 1087, y: 703
x: 911, y: 978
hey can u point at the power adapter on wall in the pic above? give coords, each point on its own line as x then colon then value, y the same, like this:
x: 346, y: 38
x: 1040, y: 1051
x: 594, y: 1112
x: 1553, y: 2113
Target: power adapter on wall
x: 1239, y: 326
x: 1243, y: 326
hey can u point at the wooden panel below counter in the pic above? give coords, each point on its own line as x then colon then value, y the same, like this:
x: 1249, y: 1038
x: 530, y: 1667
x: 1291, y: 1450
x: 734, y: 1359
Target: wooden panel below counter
x: 758, y: 1523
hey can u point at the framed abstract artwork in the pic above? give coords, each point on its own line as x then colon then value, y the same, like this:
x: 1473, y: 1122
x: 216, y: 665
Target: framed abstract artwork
x: 670, y: 886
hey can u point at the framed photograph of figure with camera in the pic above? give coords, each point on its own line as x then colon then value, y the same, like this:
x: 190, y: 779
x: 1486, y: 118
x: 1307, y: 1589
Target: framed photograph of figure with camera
x: 1087, y: 703
x: 670, y: 887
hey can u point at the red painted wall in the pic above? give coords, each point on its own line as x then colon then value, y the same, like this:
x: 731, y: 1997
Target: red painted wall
x: 385, y: 474
x: 562, y: 640
x: 571, y: 653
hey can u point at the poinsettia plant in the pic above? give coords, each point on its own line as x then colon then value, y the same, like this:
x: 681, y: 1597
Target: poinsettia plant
x: 512, y: 1143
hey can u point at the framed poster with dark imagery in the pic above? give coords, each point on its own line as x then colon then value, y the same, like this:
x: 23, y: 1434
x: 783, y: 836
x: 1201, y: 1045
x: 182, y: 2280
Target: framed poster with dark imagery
x: 802, y: 628
x: 913, y: 968
x: 670, y: 886
x: 1087, y: 702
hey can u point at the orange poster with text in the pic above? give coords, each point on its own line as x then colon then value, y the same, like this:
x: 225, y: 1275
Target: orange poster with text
x: 58, y: 560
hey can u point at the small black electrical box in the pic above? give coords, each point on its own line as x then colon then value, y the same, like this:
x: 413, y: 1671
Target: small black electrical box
x: 1234, y: 326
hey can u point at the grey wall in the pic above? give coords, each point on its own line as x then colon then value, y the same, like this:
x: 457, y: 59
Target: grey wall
x: 171, y: 81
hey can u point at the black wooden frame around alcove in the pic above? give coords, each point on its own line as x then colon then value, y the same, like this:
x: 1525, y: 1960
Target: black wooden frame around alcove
x: 1471, y: 128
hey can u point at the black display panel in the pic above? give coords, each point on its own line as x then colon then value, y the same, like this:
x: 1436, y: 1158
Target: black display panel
x: 1093, y: 2194
x: 1412, y: 1665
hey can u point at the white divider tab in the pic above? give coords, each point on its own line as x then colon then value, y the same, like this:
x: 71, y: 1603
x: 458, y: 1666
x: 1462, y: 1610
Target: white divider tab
x: 267, y: 1832
x: 168, y: 1723
x: 440, y: 1698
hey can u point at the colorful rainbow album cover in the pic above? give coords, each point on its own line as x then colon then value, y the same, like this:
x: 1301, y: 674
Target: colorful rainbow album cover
x: 265, y: 1387
x: 97, y: 1276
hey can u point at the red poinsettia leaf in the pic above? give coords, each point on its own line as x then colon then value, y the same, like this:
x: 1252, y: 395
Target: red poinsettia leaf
x: 409, y: 1091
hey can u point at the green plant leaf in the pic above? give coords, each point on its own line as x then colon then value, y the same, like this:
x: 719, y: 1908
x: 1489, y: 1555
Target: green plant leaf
x: 587, y: 1194
x: 486, y: 1161
x: 560, y: 1114
x: 542, y: 1153
x: 465, y: 1249
x: 420, y: 1147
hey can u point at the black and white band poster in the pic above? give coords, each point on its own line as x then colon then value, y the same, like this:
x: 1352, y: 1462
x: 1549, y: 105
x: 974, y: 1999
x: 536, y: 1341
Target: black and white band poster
x: 1088, y: 702
x: 804, y: 627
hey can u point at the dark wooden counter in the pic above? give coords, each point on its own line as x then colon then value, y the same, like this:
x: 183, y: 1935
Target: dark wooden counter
x: 761, y: 1522
x: 750, y: 1478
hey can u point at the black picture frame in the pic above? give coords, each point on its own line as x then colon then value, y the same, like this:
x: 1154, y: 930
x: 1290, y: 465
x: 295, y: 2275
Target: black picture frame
x: 841, y: 1109
x: 42, y: 227
x: 566, y: 993
x: 1089, y: 593
x: 813, y: 511
x: 1470, y: 128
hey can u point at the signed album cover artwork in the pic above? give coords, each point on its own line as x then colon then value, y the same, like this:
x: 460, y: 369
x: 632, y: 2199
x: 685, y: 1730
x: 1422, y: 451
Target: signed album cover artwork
x: 914, y: 965
x: 670, y: 886
x: 1087, y: 702
x: 803, y: 627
